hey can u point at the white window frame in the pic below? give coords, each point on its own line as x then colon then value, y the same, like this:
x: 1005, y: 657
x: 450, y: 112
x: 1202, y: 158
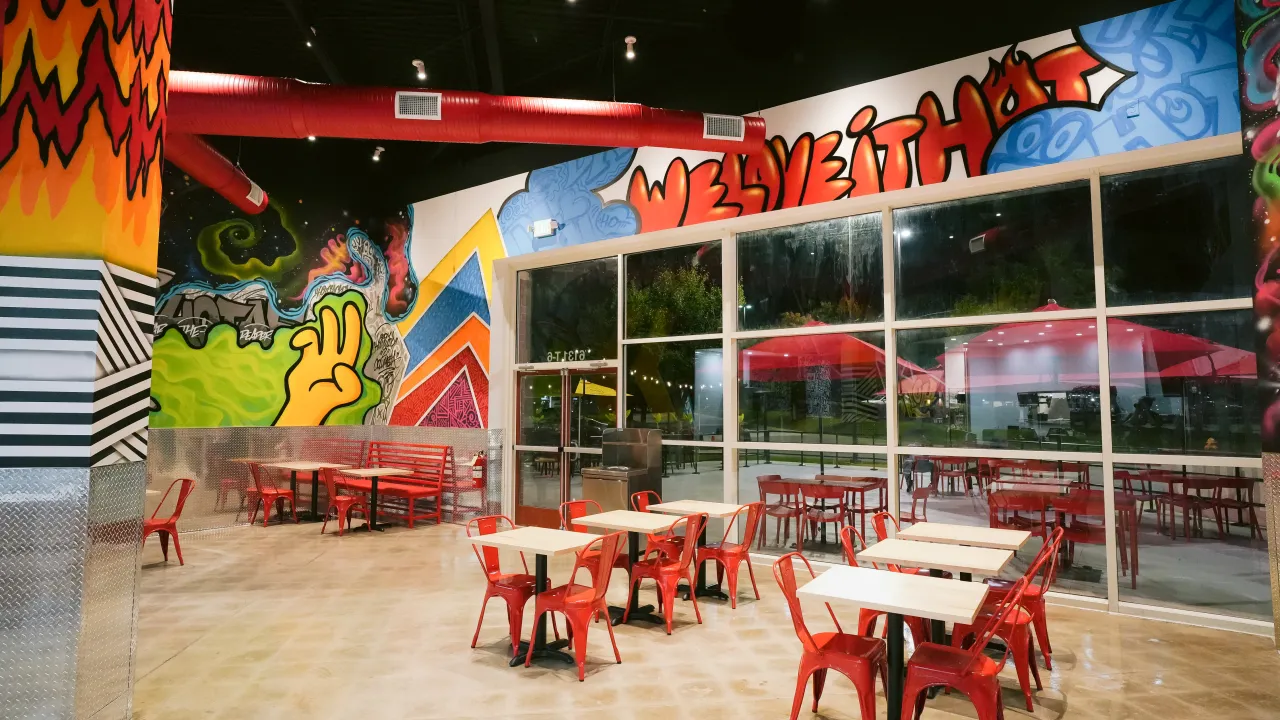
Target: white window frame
x: 726, y: 232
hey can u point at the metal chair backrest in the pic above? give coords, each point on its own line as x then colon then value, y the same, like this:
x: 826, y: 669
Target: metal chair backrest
x: 1008, y: 607
x: 692, y: 525
x: 353, y: 453
x: 773, y: 485
x: 1046, y: 564
x: 187, y: 486
x: 609, y: 547
x: 880, y: 523
x: 754, y: 511
x: 262, y: 479
x: 641, y: 501
x: 784, y: 572
x: 852, y: 542
x: 574, y: 509
x: 490, y: 559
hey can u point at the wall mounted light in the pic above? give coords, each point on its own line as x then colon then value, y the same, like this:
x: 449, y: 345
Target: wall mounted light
x: 630, y: 40
x: 422, y: 69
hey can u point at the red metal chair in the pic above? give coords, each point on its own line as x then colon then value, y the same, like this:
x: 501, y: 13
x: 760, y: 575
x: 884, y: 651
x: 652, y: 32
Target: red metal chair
x: 1005, y: 509
x: 1045, y: 565
x: 728, y: 556
x: 951, y: 470
x: 640, y: 502
x: 785, y: 509
x: 1015, y: 629
x: 514, y: 588
x: 1072, y: 512
x: 967, y: 671
x: 168, y: 527
x: 919, y: 496
x: 668, y: 572
x: 344, y: 504
x: 817, y: 512
x: 856, y: 657
x: 580, y: 604
x: 1241, y: 500
x: 880, y: 523
x: 853, y: 543
x: 574, y: 509
x: 268, y: 495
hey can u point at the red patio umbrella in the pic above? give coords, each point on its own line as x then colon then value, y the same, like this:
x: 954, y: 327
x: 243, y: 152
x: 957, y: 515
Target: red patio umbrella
x: 788, y: 359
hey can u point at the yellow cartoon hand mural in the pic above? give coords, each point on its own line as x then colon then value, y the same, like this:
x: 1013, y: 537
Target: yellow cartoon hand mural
x: 324, y: 378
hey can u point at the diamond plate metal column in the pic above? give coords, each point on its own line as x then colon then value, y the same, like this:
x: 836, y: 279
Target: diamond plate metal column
x: 79, y: 226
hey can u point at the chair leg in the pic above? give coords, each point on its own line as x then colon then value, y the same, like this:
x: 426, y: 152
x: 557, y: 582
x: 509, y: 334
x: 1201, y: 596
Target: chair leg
x: 1040, y: 624
x: 613, y: 641
x: 515, y: 621
x: 752, y: 573
x: 327, y: 512
x: 177, y: 547
x: 579, y: 644
x: 480, y: 620
x: 164, y: 544
x: 1018, y: 645
x: 528, y: 657
x: 802, y: 681
x: 819, y: 681
x: 692, y: 595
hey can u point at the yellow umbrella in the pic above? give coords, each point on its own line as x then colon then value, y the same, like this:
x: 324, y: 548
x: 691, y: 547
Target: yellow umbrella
x: 586, y: 387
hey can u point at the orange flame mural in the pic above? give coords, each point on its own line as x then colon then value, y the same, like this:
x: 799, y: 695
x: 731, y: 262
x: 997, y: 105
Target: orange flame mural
x: 82, y: 116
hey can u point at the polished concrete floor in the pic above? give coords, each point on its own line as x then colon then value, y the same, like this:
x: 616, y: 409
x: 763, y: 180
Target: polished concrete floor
x: 286, y: 623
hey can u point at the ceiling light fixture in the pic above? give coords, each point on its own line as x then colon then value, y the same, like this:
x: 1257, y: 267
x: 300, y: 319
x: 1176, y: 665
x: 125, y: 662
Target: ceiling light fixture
x: 312, y: 138
x: 308, y: 43
x: 630, y: 40
x: 422, y: 69
x: 377, y: 153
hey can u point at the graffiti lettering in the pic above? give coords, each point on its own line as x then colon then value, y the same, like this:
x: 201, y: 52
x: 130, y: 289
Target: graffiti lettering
x: 890, y: 155
x: 254, y: 319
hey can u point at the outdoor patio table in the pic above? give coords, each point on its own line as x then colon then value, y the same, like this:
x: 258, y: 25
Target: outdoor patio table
x: 542, y: 543
x: 858, y: 485
x: 634, y: 523
x: 295, y: 467
x: 373, y: 474
x: 710, y: 509
x: 899, y: 594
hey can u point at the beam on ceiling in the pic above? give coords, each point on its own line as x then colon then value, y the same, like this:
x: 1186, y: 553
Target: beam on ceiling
x: 489, y: 24
x: 317, y: 45
x: 468, y: 50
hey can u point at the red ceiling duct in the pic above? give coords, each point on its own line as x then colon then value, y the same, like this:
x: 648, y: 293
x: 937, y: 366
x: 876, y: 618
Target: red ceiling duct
x: 217, y: 104
x: 206, y: 165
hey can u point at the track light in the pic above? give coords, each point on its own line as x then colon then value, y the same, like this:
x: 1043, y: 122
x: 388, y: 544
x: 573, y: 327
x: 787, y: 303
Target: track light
x: 377, y: 153
x: 422, y: 69
x: 630, y: 40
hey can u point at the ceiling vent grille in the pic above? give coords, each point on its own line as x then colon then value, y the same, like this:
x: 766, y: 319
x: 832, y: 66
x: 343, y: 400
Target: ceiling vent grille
x: 255, y: 193
x: 723, y: 127
x: 418, y: 105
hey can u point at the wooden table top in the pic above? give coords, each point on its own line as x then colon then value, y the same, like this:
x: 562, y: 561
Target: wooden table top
x: 693, y: 507
x: 376, y: 472
x: 945, y: 533
x: 628, y: 520
x: 915, y: 595
x: 937, y: 556
x: 856, y: 483
x: 303, y: 466
x: 537, y: 540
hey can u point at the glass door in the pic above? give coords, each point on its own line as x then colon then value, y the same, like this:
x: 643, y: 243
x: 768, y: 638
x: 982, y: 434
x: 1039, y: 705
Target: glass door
x: 562, y: 418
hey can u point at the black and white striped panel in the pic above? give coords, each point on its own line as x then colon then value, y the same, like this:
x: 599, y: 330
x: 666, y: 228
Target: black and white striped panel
x: 75, y: 362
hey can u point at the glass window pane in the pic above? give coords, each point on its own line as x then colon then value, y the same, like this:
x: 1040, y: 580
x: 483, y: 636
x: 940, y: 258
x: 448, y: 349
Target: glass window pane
x: 594, y: 407
x: 829, y: 271
x: 774, y: 476
x: 996, y: 254
x: 539, y: 477
x: 677, y: 387
x: 674, y: 292
x: 813, y: 389
x: 1028, y: 386
x: 1185, y: 383
x: 1223, y: 567
x: 695, y: 473
x: 568, y: 312
x: 539, y: 410
x: 1179, y: 234
x: 1016, y: 494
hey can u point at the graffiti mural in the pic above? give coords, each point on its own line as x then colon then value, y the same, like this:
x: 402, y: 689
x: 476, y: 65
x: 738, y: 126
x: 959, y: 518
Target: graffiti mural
x: 1259, y: 36
x: 82, y: 117
x: 262, y: 320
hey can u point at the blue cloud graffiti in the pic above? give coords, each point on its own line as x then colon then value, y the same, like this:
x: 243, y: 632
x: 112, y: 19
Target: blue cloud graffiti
x: 1184, y: 87
x: 566, y: 193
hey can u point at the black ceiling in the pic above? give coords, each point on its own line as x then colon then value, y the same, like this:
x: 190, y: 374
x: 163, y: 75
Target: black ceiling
x: 706, y: 55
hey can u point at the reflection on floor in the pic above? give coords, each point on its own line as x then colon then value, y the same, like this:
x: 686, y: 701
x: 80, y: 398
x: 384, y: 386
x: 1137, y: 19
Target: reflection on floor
x: 1226, y: 575
x: 285, y: 623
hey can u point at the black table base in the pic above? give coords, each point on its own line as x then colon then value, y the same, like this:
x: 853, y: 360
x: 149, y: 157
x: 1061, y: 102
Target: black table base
x: 371, y: 520
x: 702, y: 589
x: 897, y: 673
x: 313, y: 515
x: 639, y: 613
x: 541, y: 648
